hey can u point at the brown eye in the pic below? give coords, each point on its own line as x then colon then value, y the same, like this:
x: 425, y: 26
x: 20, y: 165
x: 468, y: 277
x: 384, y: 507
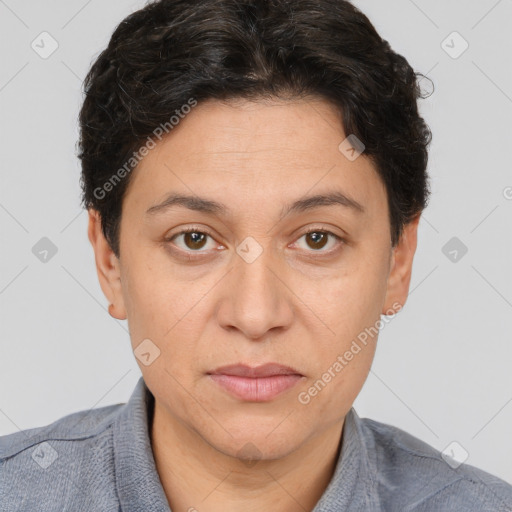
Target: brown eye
x: 194, y: 240
x: 318, y: 239
x: 191, y: 240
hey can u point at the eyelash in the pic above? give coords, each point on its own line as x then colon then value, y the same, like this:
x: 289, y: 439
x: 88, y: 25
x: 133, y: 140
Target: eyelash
x: 193, y: 229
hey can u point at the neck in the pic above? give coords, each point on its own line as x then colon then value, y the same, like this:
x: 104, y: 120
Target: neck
x: 197, y: 477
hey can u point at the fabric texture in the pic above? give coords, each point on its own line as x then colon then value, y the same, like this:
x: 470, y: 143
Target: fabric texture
x: 101, y: 460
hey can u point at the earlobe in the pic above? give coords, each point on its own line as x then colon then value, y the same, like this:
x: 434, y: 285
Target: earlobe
x: 401, y: 268
x: 107, y: 266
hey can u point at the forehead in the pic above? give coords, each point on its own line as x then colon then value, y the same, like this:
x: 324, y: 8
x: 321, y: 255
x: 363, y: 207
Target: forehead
x: 249, y: 154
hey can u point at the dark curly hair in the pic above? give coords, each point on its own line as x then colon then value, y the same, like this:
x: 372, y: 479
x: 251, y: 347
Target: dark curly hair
x: 170, y: 51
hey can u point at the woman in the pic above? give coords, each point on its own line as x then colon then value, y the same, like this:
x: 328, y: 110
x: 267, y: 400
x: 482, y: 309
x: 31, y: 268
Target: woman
x: 254, y: 174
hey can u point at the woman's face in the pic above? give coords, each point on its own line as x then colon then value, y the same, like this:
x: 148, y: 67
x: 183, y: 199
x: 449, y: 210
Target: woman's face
x: 248, y: 285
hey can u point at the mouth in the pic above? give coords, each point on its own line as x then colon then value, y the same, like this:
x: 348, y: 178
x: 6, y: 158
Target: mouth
x: 256, y: 384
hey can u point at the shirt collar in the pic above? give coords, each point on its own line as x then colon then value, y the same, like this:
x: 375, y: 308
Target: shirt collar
x: 138, y: 484
x: 352, y: 486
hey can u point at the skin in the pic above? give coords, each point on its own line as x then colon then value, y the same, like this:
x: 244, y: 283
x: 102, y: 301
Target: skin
x: 294, y: 304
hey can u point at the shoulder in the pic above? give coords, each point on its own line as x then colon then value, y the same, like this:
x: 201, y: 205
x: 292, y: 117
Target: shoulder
x: 42, y: 468
x: 77, y: 426
x: 414, y: 476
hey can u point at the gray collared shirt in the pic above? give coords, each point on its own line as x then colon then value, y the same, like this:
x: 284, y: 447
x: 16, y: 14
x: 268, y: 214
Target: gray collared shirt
x: 101, y: 460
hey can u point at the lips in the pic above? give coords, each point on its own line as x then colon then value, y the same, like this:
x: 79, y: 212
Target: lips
x: 255, y: 384
x: 265, y: 370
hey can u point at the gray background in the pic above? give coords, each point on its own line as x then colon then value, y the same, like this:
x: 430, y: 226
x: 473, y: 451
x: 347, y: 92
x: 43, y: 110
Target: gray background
x: 441, y: 372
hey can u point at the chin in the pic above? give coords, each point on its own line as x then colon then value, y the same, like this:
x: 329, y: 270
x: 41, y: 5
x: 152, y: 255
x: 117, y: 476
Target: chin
x: 266, y: 440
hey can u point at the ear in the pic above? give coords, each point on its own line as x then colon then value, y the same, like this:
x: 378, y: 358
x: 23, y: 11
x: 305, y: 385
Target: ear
x: 107, y: 266
x: 401, y: 268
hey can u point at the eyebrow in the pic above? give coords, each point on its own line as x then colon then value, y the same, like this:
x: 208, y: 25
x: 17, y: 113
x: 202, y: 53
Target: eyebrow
x: 209, y: 206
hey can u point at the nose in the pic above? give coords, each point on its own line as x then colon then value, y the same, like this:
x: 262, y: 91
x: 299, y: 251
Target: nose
x: 255, y: 299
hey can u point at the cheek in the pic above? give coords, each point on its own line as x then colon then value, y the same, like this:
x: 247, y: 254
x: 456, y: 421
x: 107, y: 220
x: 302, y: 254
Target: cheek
x: 341, y: 365
x: 351, y: 307
x: 354, y: 300
x: 150, y: 298
x: 340, y: 393
x: 165, y: 308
